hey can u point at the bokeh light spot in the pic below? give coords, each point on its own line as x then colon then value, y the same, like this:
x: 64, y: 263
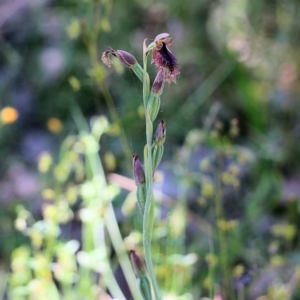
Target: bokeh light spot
x: 9, y: 115
x: 54, y: 125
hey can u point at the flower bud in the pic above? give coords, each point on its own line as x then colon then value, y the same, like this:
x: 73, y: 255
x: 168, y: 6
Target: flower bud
x: 160, y: 133
x: 138, y: 170
x: 138, y: 264
x: 125, y: 57
x: 158, y: 83
x: 140, y: 270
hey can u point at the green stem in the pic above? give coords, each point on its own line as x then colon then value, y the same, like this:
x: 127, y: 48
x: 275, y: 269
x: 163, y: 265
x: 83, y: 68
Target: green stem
x: 147, y: 233
x: 221, y: 236
x: 148, y: 217
x: 108, y: 275
x: 211, y: 270
x: 138, y: 71
x: 116, y: 239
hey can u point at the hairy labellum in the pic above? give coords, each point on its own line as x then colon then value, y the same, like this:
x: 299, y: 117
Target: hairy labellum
x: 164, y: 59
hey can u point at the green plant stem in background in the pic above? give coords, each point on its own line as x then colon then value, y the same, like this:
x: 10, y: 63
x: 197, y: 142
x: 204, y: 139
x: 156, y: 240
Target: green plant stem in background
x: 3, y: 283
x: 90, y: 41
x: 99, y: 81
x: 96, y: 169
x: 108, y: 275
x: 116, y: 239
x: 221, y: 236
x: 211, y: 270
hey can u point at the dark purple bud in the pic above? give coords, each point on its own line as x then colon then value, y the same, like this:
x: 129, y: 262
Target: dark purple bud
x: 158, y: 83
x: 138, y: 171
x: 138, y: 264
x: 126, y: 58
x: 160, y: 133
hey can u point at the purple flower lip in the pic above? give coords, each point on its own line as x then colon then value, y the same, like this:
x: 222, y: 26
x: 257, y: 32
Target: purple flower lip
x: 166, y: 59
x: 163, y: 58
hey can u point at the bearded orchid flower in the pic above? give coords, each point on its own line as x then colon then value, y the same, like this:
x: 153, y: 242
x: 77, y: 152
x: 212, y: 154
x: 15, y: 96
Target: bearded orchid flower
x: 163, y: 58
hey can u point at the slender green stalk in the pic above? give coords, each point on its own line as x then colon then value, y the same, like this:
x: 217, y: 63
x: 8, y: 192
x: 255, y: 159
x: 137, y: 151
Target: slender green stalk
x: 148, y: 217
x: 211, y: 270
x: 3, y: 283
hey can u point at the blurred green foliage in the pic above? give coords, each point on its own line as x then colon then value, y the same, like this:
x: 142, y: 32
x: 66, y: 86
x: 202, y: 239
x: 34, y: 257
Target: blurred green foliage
x: 232, y: 149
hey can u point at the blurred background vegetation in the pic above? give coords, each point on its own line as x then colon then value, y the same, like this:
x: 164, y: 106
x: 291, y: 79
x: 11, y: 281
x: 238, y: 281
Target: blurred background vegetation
x: 228, y: 188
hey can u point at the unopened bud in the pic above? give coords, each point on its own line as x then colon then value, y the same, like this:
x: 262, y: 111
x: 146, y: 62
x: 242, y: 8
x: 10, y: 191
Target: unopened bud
x: 125, y: 57
x: 138, y: 170
x: 158, y: 83
x: 160, y: 134
x: 138, y: 264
